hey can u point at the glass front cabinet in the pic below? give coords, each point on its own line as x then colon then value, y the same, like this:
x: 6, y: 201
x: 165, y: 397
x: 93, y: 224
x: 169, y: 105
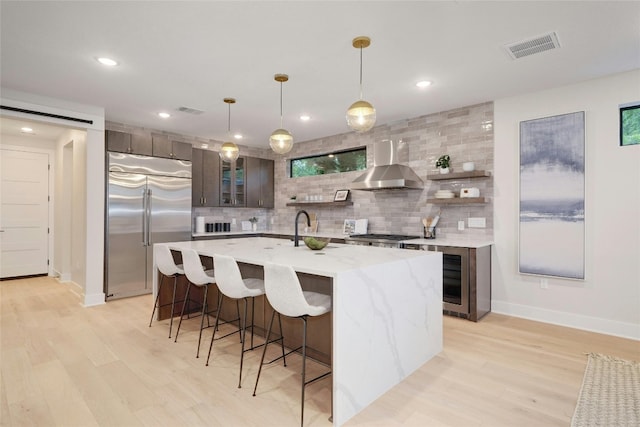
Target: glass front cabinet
x: 232, y: 183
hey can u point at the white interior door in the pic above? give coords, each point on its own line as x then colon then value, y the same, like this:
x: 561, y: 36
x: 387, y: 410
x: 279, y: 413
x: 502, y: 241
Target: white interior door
x: 24, y: 213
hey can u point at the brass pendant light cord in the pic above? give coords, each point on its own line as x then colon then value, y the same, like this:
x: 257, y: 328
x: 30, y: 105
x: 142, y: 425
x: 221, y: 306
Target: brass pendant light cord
x: 229, y: 120
x: 361, y: 97
x: 281, y: 106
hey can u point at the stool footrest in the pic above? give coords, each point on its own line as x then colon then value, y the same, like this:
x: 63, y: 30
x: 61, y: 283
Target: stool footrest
x: 319, y: 377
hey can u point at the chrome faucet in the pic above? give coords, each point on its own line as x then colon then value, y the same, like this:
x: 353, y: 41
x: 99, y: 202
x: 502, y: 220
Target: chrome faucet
x: 295, y: 236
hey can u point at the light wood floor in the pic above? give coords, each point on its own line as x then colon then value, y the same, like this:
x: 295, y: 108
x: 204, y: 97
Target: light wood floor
x: 65, y: 365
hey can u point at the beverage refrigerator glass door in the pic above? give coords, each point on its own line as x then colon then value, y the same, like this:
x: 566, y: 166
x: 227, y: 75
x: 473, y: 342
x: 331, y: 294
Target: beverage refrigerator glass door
x: 455, y: 279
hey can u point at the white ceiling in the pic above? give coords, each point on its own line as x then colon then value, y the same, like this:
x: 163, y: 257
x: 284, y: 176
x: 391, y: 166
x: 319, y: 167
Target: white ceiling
x: 194, y: 54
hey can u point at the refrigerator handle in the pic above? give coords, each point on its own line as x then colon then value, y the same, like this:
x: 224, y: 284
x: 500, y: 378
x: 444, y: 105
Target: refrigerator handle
x: 148, y: 217
x: 144, y: 217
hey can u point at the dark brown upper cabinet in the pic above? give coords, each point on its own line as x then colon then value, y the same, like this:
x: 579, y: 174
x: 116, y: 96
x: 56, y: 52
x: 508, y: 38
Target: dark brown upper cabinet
x: 128, y: 143
x: 259, y: 182
x: 164, y: 147
x: 205, y: 188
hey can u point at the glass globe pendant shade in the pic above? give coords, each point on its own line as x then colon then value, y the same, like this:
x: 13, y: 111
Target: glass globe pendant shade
x: 281, y: 141
x: 229, y: 152
x: 361, y: 116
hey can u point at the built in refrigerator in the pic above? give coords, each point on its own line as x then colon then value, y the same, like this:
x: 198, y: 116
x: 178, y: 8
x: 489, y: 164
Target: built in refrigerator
x: 148, y: 201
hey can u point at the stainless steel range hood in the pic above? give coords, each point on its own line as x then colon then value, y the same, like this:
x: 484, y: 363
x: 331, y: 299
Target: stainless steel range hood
x: 387, y: 173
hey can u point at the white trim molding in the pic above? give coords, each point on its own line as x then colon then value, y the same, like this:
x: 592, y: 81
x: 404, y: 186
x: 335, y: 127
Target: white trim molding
x: 571, y: 320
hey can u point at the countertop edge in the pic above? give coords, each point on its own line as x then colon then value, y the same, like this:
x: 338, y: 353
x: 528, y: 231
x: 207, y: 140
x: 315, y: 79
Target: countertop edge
x: 451, y: 241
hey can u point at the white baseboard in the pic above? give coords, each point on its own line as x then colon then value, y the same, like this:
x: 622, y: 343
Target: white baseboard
x: 94, y: 299
x: 62, y: 277
x: 571, y: 320
x: 87, y: 300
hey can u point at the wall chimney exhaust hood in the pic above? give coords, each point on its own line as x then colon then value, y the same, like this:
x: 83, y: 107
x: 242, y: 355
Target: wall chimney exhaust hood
x: 387, y: 173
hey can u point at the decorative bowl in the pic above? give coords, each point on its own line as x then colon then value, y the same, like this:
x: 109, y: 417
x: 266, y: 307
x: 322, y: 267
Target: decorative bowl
x: 316, y: 243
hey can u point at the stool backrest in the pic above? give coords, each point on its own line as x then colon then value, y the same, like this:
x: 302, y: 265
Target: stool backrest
x: 193, y: 268
x: 228, y: 276
x: 283, y: 290
x: 164, y: 261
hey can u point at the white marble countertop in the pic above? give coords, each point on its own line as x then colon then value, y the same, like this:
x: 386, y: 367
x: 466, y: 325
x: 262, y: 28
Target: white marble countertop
x: 333, y: 259
x: 459, y: 242
x: 455, y: 241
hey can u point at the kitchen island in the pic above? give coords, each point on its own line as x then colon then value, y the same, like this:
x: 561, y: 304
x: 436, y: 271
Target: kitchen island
x: 387, y: 308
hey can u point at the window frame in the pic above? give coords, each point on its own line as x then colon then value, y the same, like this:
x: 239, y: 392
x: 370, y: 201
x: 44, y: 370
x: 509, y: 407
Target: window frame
x: 338, y: 152
x: 622, y: 109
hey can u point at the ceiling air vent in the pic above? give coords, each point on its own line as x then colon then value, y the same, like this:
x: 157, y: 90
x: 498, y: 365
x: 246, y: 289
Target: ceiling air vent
x: 532, y: 46
x: 190, y: 110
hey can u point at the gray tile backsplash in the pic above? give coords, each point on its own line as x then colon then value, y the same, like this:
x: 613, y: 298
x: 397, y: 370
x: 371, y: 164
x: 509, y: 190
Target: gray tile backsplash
x: 466, y: 134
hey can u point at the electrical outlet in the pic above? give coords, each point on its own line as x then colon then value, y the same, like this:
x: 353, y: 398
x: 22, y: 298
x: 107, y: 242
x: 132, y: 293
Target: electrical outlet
x: 477, y: 222
x: 544, y: 284
x: 233, y: 221
x: 461, y: 225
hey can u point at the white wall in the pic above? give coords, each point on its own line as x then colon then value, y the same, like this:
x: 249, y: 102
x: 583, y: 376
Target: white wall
x: 62, y: 206
x: 70, y: 212
x: 90, y: 199
x: 608, y: 300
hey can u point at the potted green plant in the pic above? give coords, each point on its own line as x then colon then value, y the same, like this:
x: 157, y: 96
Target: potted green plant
x: 443, y: 163
x: 254, y: 223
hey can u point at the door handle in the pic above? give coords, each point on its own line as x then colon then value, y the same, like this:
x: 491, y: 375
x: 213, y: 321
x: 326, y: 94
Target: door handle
x: 148, y: 214
x: 144, y: 217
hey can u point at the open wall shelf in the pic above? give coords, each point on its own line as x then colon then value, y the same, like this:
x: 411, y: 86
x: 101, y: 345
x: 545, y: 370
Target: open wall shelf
x: 459, y: 175
x: 458, y: 201
x: 329, y: 204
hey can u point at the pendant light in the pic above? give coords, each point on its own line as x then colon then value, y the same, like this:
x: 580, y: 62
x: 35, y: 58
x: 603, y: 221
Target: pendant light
x: 281, y: 141
x: 229, y: 151
x: 361, y: 116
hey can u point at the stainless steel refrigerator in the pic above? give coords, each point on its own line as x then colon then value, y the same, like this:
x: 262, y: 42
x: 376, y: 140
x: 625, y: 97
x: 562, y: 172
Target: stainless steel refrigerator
x: 148, y: 201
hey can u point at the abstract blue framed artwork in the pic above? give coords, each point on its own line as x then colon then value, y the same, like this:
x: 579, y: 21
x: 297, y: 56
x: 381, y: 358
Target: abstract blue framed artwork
x: 552, y: 192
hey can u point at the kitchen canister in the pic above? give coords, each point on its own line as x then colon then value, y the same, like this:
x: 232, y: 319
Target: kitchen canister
x: 200, y: 224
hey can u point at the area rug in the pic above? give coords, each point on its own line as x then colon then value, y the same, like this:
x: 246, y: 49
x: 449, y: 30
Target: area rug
x: 610, y: 393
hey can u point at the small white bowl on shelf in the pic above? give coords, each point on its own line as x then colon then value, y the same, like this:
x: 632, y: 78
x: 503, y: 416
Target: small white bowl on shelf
x: 468, y: 166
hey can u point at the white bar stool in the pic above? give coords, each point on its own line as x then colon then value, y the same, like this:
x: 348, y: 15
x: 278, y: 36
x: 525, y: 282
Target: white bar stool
x: 199, y: 277
x: 286, y: 296
x: 232, y: 285
x: 168, y: 268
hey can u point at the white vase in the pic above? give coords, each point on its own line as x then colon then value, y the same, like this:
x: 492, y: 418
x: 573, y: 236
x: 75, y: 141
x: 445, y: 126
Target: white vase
x: 254, y: 226
x: 444, y: 170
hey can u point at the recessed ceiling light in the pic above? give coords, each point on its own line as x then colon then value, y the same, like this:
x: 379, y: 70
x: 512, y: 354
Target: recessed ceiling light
x: 164, y: 115
x: 237, y: 136
x: 26, y: 129
x: 423, y: 84
x: 107, y: 61
x: 305, y: 117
